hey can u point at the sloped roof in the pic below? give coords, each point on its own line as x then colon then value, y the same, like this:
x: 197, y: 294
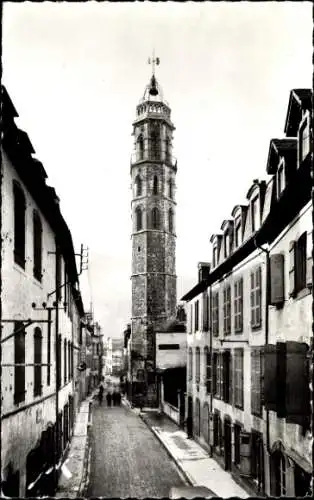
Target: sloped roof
x: 279, y: 147
x: 299, y: 99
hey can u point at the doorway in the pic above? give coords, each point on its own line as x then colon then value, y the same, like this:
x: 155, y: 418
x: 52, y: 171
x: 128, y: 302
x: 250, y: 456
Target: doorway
x: 227, y: 444
x: 190, y: 416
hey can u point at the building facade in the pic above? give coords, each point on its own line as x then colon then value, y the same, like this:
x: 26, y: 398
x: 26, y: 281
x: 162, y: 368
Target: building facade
x: 153, y: 171
x: 41, y: 312
x: 248, y: 383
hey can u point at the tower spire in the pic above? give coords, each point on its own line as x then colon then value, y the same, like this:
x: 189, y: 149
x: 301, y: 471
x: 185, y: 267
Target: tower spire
x: 153, y: 61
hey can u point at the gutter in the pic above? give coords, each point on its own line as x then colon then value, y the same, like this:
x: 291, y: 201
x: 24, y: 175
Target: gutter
x: 267, y: 302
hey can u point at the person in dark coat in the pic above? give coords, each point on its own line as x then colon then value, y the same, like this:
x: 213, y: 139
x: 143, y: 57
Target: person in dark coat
x: 114, y: 398
x: 108, y: 397
x: 100, y: 393
x: 189, y: 427
x: 118, y: 398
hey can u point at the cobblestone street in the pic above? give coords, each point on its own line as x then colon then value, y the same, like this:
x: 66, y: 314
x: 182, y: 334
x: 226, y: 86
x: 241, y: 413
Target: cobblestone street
x: 127, y: 460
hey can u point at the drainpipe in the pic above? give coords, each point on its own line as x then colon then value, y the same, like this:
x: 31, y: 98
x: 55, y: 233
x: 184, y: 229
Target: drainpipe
x: 57, y: 360
x: 267, y: 303
x: 211, y: 357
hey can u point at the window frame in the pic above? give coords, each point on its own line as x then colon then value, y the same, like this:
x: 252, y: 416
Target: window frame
x: 138, y: 186
x: 155, y: 185
x: 138, y: 219
x: 304, y: 126
x: 237, y: 227
x: 280, y: 178
x: 238, y: 389
x: 256, y: 382
x: 300, y: 262
x: 256, y: 298
x: 19, y: 358
x: 197, y: 365
x: 170, y: 220
x: 215, y: 313
x: 155, y: 218
x: 238, y: 305
x: 19, y: 225
x: 227, y: 309
x: 37, y: 246
x: 255, y: 213
x: 38, y: 342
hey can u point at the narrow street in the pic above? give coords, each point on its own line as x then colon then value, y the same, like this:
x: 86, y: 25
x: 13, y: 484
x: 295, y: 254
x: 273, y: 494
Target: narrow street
x: 127, y: 460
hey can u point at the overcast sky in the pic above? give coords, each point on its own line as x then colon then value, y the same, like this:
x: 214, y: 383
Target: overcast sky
x: 75, y: 73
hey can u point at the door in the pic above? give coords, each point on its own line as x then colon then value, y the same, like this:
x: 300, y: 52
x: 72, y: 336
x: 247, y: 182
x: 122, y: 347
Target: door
x: 227, y: 444
x: 190, y: 416
x: 181, y: 406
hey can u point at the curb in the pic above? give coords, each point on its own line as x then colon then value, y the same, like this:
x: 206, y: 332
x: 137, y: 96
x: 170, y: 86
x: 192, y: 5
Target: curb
x: 187, y: 476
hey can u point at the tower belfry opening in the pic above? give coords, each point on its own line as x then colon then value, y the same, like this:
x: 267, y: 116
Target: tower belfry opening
x: 153, y: 171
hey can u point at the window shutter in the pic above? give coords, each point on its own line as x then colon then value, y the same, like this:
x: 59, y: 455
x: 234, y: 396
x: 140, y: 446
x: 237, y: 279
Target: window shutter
x: 292, y: 277
x: 309, y: 260
x: 270, y: 377
x: 297, y: 382
x: 226, y: 375
x: 241, y: 305
x: 281, y: 379
x: 252, y: 299
x: 245, y: 453
x: 276, y: 279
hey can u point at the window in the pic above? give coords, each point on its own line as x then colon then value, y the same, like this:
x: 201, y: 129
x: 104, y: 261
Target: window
x: 69, y: 360
x: 205, y: 312
x: 280, y: 179
x: 208, y: 366
x: 170, y: 216
x: 215, y: 314
x: 196, y: 315
x: 256, y: 382
x: 19, y: 361
x: 304, y: 140
x: 155, y: 185
x: 300, y: 263
x: 37, y: 362
x: 197, y: 417
x: 256, y: 293
x: 37, y: 246
x: 237, y: 232
x: 19, y: 225
x: 238, y: 306
x: 226, y: 376
x: 215, y: 261
x: 155, y: 218
x: 138, y: 186
x: 255, y: 214
x: 167, y: 149
x: 279, y: 466
x: 226, y: 238
x: 227, y: 309
x: 170, y: 188
x: 190, y: 364
x: 238, y: 378
x: 197, y: 365
x: 58, y: 371
x: 138, y: 216
x: 218, y: 375
x: 140, y: 148
x: 155, y: 141
x: 65, y: 360
x: 58, y: 274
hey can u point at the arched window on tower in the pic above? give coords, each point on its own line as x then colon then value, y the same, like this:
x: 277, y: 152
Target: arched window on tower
x: 170, y: 188
x: 155, y: 141
x: 167, y: 149
x: 138, y: 186
x: 155, y: 185
x: 138, y: 216
x: 155, y: 218
x: 170, y: 218
x: 140, y: 147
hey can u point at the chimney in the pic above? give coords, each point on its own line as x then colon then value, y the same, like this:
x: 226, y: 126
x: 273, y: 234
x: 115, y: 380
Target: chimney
x: 203, y: 271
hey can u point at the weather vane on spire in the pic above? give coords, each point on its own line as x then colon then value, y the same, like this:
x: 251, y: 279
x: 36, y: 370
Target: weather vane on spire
x: 154, y: 61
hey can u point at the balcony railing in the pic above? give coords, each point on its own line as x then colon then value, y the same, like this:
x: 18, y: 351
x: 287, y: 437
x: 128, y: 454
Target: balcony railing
x: 140, y: 156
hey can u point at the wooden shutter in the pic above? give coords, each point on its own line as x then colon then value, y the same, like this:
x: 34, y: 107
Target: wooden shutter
x: 281, y: 379
x: 270, y: 377
x: 277, y: 279
x: 309, y: 260
x: 297, y: 382
x: 226, y: 375
x: 292, y: 276
x: 252, y: 299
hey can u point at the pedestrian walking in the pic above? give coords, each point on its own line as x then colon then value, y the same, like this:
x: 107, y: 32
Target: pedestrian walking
x: 118, y: 398
x: 114, y: 398
x: 108, y: 397
x: 100, y: 393
x: 189, y: 427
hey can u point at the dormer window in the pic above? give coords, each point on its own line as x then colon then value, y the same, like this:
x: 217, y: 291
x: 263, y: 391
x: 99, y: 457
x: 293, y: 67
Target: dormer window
x: 237, y: 232
x: 280, y: 179
x: 255, y: 214
x: 227, y: 244
x: 304, y: 139
x: 215, y: 253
